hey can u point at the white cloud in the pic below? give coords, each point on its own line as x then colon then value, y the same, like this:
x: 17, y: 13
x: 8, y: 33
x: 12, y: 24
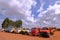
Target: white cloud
x: 45, y: 22
x: 41, y: 7
x: 13, y: 19
x: 24, y: 6
x: 18, y: 8
x: 30, y: 19
x: 56, y: 7
x: 54, y: 18
x: 51, y: 16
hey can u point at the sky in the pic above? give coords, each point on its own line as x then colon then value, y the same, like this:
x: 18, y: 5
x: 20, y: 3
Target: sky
x: 33, y: 13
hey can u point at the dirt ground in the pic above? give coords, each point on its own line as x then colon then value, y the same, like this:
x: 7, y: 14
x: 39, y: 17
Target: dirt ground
x: 12, y: 36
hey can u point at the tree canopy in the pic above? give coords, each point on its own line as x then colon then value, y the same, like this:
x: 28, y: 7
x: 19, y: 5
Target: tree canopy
x: 7, y: 22
x: 18, y: 23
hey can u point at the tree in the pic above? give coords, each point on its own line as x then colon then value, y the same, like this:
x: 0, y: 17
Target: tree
x: 5, y: 23
x: 18, y: 23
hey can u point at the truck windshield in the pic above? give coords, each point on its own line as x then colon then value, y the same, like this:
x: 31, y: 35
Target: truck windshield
x: 44, y: 28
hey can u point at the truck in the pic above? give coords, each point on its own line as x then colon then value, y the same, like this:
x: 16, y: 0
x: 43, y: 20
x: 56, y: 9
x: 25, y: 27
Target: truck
x: 35, y: 31
x: 47, y: 31
x: 24, y: 31
x: 9, y: 29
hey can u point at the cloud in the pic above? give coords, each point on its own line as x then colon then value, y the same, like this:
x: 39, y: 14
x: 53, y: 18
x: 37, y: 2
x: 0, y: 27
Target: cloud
x: 50, y: 17
x: 41, y: 7
x: 13, y: 19
x: 22, y: 9
x: 18, y: 9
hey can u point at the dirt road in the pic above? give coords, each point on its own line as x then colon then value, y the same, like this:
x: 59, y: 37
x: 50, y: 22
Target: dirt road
x: 12, y: 36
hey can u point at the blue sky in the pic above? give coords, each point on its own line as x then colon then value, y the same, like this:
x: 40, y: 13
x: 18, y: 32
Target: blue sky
x: 35, y: 8
x: 33, y: 12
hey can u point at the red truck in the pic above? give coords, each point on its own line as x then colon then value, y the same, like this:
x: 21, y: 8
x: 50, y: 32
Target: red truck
x: 35, y: 31
x: 44, y: 31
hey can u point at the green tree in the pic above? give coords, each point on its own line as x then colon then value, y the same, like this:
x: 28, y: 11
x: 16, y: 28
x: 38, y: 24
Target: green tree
x: 18, y: 23
x: 5, y: 23
x: 12, y: 23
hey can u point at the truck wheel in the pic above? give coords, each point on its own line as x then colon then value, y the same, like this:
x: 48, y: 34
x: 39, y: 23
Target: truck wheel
x: 44, y: 34
x: 21, y: 32
x: 47, y: 35
x: 26, y: 33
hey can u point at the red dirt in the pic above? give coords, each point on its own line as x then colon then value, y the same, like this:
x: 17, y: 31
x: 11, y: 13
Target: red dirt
x: 12, y: 36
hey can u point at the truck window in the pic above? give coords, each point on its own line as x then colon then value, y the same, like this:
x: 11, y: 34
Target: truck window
x: 44, y: 28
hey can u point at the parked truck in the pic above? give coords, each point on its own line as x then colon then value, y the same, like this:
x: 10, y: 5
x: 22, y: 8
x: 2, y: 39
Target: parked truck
x: 47, y: 31
x: 9, y: 29
x: 35, y: 31
x: 24, y: 31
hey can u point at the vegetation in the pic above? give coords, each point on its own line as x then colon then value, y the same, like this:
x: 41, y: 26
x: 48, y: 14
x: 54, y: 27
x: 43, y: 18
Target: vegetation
x: 18, y: 23
x: 7, y: 22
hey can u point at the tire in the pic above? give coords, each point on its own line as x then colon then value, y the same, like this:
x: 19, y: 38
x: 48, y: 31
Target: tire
x: 6, y: 31
x: 44, y: 34
x: 26, y: 33
x: 21, y: 32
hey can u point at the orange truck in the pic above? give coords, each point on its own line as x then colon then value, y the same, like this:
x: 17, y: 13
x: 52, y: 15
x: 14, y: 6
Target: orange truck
x: 45, y: 32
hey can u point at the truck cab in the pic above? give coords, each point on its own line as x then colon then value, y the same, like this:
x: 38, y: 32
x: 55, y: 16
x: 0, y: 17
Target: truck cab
x: 45, y: 31
x: 35, y: 31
